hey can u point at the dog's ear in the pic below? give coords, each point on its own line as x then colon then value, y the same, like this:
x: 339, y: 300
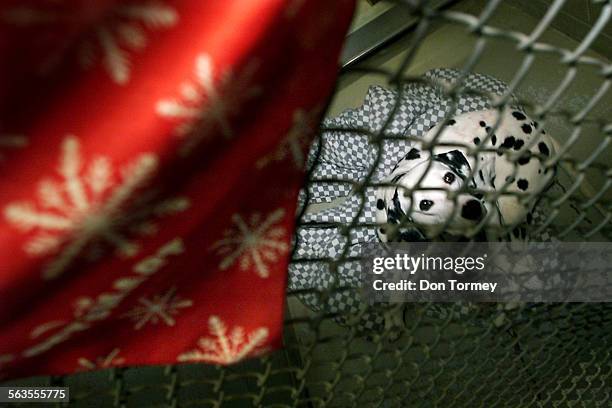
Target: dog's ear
x: 456, y: 160
x: 413, y: 154
x: 406, y: 233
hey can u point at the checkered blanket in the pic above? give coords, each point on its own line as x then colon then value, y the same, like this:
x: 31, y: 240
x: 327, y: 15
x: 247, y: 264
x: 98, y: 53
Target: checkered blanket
x: 347, y: 155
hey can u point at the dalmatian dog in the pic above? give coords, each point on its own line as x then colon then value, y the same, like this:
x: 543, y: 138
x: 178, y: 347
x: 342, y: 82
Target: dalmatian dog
x: 475, y: 175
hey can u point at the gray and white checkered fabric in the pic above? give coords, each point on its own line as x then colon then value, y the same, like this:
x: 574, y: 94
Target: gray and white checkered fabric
x: 346, y: 157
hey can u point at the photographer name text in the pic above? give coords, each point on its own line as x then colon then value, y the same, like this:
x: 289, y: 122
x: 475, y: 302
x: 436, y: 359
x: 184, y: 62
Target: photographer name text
x: 407, y: 265
x: 425, y: 285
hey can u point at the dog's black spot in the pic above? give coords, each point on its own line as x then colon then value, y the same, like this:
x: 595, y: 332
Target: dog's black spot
x: 476, y: 140
x: 526, y: 128
x: 413, y: 154
x: 508, y: 142
x: 382, y: 231
x: 488, y: 129
x: 539, y: 171
x: 472, y: 210
x: 543, y: 148
x: 519, y: 115
x: 500, y: 153
x: 481, y: 236
x: 482, y: 124
x: 478, y: 195
x: 524, y: 159
x: 452, y: 122
x: 522, y: 184
x: 519, y: 232
x: 493, y: 182
x: 509, y: 179
x: 536, y: 124
x: 392, y: 216
x: 397, y: 177
x: 518, y: 144
x: 397, y: 206
x: 480, y: 175
x: 494, y: 139
x: 380, y: 204
x: 395, y: 214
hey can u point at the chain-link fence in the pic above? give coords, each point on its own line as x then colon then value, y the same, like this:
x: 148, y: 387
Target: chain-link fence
x: 339, y: 352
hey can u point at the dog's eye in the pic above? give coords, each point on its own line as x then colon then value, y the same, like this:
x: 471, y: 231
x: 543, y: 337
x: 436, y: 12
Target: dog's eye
x: 449, y: 178
x: 425, y: 205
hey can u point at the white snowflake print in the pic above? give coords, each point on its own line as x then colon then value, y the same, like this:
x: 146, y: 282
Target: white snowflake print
x: 158, y: 308
x: 11, y: 142
x: 297, y: 140
x: 80, y: 307
x: 209, y: 103
x: 110, y: 360
x: 226, y: 347
x: 84, y: 208
x: 124, y: 31
x: 254, y: 243
x: 121, y: 32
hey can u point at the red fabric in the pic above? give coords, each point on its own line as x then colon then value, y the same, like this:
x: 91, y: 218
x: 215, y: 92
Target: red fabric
x: 150, y: 173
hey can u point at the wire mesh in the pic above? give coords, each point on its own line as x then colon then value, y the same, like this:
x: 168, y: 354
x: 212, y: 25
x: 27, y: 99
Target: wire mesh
x: 517, y: 355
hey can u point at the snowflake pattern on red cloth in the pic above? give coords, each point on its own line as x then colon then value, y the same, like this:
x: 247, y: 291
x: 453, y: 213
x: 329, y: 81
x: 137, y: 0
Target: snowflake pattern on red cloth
x: 86, y: 204
x: 295, y: 144
x: 254, y: 243
x: 110, y: 360
x: 226, y: 346
x: 126, y: 212
x: 120, y: 33
x: 209, y: 102
x: 159, y: 308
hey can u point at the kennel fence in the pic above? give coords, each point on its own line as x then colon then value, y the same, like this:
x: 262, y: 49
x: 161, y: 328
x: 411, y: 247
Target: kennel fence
x: 524, y: 355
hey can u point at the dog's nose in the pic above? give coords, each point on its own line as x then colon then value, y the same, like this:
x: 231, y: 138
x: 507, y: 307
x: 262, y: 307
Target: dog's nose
x: 472, y: 210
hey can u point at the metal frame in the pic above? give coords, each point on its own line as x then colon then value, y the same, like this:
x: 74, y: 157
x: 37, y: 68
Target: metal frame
x: 382, y: 30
